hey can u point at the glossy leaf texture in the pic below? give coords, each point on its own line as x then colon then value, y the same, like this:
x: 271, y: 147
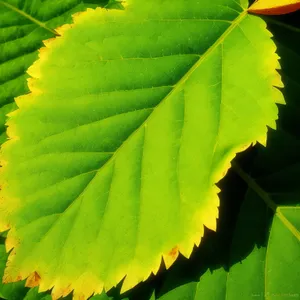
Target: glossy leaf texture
x: 132, y: 118
x: 24, y: 24
x: 264, y: 257
x: 271, y: 7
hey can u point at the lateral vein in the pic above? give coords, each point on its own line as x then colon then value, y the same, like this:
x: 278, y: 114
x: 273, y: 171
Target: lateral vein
x: 29, y: 17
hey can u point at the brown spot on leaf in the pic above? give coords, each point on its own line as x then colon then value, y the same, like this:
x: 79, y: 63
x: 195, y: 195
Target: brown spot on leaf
x: 33, y: 280
x: 6, y: 279
x: 224, y: 173
x: 66, y: 291
x: 19, y: 278
x: 173, y: 253
x: 42, y: 50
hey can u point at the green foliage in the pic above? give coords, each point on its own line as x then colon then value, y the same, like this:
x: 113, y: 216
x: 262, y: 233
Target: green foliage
x: 130, y: 119
x: 23, y: 27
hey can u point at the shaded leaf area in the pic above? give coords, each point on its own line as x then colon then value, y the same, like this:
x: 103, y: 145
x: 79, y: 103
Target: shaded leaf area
x: 257, y: 253
x: 119, y: 156
x: 110, y: 4
x: 24, y: 24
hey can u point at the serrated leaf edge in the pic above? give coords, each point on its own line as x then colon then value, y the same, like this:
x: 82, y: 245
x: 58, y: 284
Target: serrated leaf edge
x: 195, y: 238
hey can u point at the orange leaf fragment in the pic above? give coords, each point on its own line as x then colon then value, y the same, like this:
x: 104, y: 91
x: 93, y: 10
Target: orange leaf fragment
x: 33, y: 280
x: 274, y: 7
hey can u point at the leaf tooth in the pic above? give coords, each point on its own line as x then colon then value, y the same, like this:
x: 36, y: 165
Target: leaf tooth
x: 278, y: 96
x: 170, y: 257
x: 209, y: 215
x: 31, y: 82
x: 67, y: 290
x: 88, y: 285
x: 278, y: 66
x: 62, y: 29
x: 186, y: 247
x: 277, y: 82
x: 48, y: 42
x: 263, y: 138
x: 33, y: 280
x: 138, y: 273
x: 34, y: 70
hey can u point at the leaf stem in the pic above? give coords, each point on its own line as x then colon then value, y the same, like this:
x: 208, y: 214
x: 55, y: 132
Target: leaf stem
x: 254, y: 186
x: 269, y: 202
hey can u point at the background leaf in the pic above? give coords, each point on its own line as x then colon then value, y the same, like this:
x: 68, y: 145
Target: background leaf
x: 271, y: 7
x: 24, y: 24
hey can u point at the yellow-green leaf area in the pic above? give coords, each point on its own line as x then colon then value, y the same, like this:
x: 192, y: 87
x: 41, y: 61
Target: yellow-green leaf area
x: 132, y: 118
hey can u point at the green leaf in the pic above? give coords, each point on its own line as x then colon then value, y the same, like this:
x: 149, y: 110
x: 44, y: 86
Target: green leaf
x: 102, y: 297
x: 33, y: 294
x: 132, y: 118
x: 266, y: 246
x: 11, y: 291
x: 113, y: 4
x: 23, y: 26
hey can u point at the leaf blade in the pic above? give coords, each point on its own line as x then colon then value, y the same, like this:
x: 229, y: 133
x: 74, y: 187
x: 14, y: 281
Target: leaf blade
x: 143, y: 142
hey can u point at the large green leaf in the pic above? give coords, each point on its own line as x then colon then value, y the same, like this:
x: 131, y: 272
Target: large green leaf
x: 132, y: 118
x: 266, y: 247
x: 23, y: 26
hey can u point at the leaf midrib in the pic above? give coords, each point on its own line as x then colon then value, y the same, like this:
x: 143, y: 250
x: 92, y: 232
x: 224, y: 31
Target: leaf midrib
x: 185, y: 77
x: 28, y: 17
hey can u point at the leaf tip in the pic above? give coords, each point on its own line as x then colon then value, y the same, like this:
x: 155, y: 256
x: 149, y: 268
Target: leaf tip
x: 171, y: 256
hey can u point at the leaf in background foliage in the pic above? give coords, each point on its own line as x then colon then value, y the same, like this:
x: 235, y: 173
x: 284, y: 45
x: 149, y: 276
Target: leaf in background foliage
x: 10, y: 291
x: 132, y: 118
x: 102, y: 297
x: 265, y: 251
x: 24, y: 24
x: 16, y: 290
x: 114, y: 4
x: 274, y: 7
x: 33, y: 294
